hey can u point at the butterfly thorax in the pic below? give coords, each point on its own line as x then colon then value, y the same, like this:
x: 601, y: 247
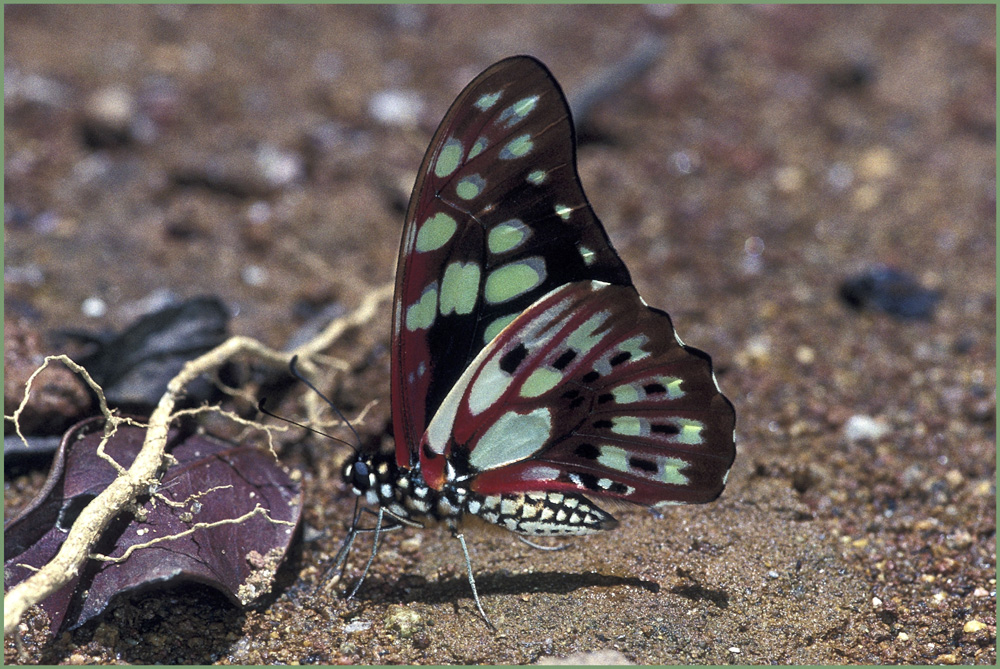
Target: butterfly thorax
x: 403, y: 494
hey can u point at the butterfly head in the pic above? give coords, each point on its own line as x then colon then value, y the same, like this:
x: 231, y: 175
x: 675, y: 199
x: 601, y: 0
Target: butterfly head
x: 358, y: 473
x: 366, y: 472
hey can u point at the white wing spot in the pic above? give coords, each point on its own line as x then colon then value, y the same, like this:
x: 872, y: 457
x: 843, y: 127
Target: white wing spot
x: 512, y: 438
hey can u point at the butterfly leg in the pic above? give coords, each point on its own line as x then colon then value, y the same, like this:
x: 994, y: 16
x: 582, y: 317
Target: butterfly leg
x: 472, y: 581
x: 340, y: 563
x: 540, y: 546
x: 378, y: 532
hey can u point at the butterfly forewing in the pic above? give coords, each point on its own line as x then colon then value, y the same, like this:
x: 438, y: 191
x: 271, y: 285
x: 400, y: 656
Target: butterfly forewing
x: 497, y: 219
x: 588, y: 391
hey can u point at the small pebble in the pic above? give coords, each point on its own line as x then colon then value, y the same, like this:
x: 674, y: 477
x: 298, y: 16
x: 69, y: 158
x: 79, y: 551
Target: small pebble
x: 279, y: 168
x: 404, y: 620
x: 954, y: 478
x: 805, y: 355
x: 109, y: 115
x: 866, y: 197
x: 960, y: 540
x: 595, y: 657
x: 94, y: 307
x: 789, y: 179
x: 259, y: 212
x: 839, y: 176
x: 112, y: 106
x: 410, y: 545
x: 877, y: 163
x: 683, y: 162
x: 974, y: 626
x: 757, y: 351
x: 396, y: 107
x: 356, y: 626
x: 254, y: 275
x: 860, y: 427
x: 891, y: 291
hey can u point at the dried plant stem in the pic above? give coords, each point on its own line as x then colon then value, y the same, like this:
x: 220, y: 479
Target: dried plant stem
x: 141, y: 476
x: 257, y: 511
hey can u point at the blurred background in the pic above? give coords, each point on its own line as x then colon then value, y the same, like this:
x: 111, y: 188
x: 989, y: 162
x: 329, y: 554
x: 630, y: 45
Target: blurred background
x: 265, y: 153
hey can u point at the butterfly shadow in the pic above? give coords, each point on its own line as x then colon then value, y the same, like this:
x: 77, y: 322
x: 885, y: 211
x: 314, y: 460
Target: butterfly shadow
x: 697, y: 592
x: 419, y: 589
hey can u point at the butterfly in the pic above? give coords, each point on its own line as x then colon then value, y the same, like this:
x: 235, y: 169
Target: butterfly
x: 529, y: 380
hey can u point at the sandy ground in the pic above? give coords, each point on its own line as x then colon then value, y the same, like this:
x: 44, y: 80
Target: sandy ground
x: 766, y: 155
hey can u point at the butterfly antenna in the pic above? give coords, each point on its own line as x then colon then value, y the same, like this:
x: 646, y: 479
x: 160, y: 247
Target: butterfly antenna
x: 263, y: 410
x: 297, y: 374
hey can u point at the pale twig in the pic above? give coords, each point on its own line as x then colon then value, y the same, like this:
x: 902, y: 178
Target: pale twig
x: 141, y: 476
x: 257, y: 511
x: 193, y: 497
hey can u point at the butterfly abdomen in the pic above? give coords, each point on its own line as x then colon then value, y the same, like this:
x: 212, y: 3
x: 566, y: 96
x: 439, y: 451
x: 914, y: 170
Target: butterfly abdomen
x: 542, y: 513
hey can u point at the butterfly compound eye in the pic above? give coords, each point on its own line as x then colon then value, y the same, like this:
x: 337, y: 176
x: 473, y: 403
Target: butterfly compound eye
x: 359, y: 475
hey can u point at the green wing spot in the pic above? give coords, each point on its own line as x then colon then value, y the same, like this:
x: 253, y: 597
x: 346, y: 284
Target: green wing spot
x: 613, y: 457
x: 459, y: 288
x: 420, y: 315
x: 540, y: 382
x: 494, y: 328
x: 478, y: 147
x: 470, y: 187
x: 690, y: 432
x: 625, y: 394
x: 518, y: 111
x: 583, y: 338
x: 587, y: 255
x: 512, y: 438
x: 487, y: 100
x: 517, y: 148
x: 673, y: 386
x: 507, y: 235
x: 563, y: 211
x: 435, y: 232
x: 449, y: 158
x: 507, y: 282
x: 489, y: 383
x: 627, y: 425
x: 537, y: 177
x: 524, y: 106
x: 634, y: 346
x: 670, y: 471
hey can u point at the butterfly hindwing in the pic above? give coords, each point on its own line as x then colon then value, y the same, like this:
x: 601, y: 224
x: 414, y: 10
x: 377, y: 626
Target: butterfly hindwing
x: 588, y: 391
x: 497, y: 219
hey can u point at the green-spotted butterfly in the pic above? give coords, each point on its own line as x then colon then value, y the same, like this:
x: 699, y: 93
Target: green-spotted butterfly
x: 529, y: 379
